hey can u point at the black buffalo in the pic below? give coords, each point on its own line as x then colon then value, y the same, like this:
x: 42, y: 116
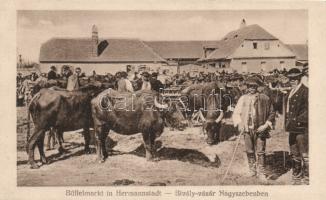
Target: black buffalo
x: 62, y: 110
x: 131, y: 113
x: 213, y: 100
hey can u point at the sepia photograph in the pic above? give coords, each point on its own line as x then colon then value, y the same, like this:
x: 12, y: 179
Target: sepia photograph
x: 162, y: 98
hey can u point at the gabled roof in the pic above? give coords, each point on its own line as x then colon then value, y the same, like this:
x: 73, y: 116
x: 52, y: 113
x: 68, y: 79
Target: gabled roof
x: 232, y: 40
x: 179, y: 49
x: 300, y: 51
x: 110, y: 50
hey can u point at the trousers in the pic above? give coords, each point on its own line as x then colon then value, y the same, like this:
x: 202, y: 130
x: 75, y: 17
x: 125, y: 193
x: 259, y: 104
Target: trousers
x: 254, y: 143
x: 298, y: 143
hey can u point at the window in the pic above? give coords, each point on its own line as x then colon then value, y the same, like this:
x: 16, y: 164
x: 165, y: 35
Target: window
x: 255, y: 45
x: 266, y: 45
x: 263, y: 65
x: 244, y: 66
x: 282, y: 65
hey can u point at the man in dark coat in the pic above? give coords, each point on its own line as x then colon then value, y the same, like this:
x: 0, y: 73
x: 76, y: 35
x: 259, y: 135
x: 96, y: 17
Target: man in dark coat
x: 296, y: 123
x: 52, y: 75
x: 155, y: 83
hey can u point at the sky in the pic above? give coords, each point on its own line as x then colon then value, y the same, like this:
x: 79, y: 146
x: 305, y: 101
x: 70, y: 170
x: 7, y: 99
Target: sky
x: 36, y: 27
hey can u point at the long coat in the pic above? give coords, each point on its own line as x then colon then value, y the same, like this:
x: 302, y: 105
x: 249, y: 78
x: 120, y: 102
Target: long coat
x: 73, y: 82
x: 263, y: 107
x: 296, y: 118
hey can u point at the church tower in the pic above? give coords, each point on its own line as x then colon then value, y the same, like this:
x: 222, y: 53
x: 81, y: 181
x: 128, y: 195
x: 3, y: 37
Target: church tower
x: 94, y: 41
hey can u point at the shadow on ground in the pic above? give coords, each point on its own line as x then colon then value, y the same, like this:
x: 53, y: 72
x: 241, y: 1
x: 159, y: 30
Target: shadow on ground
x: 278, y: 163
x: 68, y: 154
x: 184, y: 155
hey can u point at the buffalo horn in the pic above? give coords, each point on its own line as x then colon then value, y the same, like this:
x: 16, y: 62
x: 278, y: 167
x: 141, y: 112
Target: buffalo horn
x: 158, y: 105
x: 220, y: 117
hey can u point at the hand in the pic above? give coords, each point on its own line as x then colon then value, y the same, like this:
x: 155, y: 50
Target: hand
x: 262, y: 128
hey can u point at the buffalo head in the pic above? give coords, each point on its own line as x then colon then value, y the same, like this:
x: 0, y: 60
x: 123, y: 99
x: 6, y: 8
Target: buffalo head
x: 212, y: 127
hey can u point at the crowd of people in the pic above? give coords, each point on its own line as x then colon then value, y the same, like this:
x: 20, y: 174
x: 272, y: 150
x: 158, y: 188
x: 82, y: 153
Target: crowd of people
x: 253, y: 114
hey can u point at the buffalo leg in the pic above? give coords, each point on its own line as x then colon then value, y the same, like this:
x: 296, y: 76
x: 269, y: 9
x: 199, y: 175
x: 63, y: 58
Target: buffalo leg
x: 40, y: 145
x: 87, y: 139
x: 100, y: 143
x: 51, y: 138
x: 149, y: 144
x: 31, y: 147
x: 58, y: 135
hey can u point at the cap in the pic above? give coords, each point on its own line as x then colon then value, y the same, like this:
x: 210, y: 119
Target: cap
x: 294, y: 73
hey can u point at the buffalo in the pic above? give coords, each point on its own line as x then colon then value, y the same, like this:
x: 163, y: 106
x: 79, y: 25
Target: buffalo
x: 63, y: 111
x: 212, y: 100
x: 131, y: 113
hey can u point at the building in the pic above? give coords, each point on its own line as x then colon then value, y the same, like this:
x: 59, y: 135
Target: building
x: 248, y: 49
x: 301, y: 54
x: 179, y: 53
x: 101, y: 55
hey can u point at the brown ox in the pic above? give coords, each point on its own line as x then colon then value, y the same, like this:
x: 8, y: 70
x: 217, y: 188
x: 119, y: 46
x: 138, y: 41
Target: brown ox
x: 64, y: 111
x: 131, y: 113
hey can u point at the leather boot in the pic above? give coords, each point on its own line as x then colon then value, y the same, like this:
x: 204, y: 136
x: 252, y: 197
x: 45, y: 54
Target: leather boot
x: 296, y: 172
x: 305, y: 171
x: 252, y: 164
x: 261, y: 171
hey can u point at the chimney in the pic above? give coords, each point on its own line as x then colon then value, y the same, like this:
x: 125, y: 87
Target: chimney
x: 94, y: 41
x: 243, y: 23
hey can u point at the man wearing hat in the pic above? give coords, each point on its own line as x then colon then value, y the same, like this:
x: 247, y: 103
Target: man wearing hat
x: 146, y: 85
x: 296, y: 123
x: 73, y: 80
x: 156, y: 84
x: 52, y: 75
x: 124, y: 85
x: 254, y: 116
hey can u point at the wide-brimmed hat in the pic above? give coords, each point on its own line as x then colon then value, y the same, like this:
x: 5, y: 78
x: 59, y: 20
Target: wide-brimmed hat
x: 145, y: 74
x: 294, y: 73
x: 254, y: 81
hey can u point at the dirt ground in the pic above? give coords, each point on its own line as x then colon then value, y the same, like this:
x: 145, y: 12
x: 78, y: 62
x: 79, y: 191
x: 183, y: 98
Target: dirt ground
x: 185, y: 159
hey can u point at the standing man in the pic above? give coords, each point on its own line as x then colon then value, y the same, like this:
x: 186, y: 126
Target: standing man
x: 296, y: 123
x: 156, y: 84
x: 146, y: 85
x: 124, y: 85
x: 254, y: 116
x: 73, y: 80
x: 52, y: 75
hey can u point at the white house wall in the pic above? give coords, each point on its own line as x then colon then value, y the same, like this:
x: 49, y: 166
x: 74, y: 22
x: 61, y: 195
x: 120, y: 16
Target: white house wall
x: 255, y: 65
x: 265, y: 49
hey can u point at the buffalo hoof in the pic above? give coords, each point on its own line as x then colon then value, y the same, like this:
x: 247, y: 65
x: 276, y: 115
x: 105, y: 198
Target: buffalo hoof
x: 61, y: 150
x: 44, y: 161
x: 87, y: 151
x: 34, y: 166
x: 101, y: 160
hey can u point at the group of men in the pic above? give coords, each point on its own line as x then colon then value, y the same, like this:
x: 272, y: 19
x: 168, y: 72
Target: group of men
x: 255, y: 117
x: 147, y: 81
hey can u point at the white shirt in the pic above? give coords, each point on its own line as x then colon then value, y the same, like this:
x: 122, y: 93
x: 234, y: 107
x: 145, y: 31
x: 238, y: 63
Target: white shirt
x: 129, y: 86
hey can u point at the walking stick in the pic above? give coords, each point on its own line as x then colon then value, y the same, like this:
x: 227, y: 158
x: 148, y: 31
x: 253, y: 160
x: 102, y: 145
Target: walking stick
x: 232, y: 158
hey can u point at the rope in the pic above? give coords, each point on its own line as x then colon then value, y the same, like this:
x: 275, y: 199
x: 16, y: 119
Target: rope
x: 232, y: 158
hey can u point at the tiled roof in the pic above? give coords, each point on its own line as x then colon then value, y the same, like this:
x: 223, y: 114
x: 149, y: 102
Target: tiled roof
x: 179, y: 49
x: 110, y: 50
x: 228, y: 44
x: 300, y: 51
